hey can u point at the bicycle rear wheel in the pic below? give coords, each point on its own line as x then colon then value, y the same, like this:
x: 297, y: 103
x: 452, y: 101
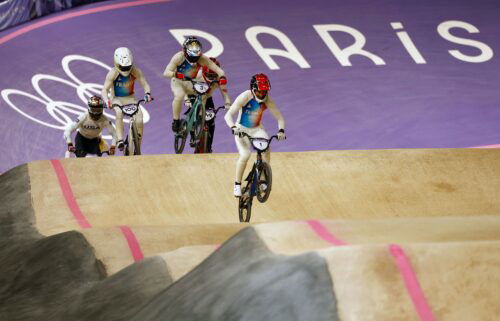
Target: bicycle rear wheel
x: 245, y: 206
x: 199, y: 123
x: 264, y: 183
x: 180, y: 138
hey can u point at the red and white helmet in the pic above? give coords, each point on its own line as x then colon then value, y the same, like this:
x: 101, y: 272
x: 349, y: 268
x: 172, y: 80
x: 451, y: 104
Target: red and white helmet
x: 208, y: 74
x: 123, y: 61
x: 260, y: 86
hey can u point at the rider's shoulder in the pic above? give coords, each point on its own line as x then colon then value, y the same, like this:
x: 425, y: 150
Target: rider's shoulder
x: 113, y: 74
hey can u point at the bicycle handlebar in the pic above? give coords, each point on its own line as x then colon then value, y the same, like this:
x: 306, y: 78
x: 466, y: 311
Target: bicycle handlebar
x: 121, y: 106
x: 243, y: 134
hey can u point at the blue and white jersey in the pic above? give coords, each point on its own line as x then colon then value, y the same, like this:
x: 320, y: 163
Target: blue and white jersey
x: 251, y: 113
x: 124, y: 86
x: 188, y: 69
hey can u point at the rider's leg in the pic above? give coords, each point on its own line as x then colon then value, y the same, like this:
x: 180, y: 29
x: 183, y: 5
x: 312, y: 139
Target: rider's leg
x: 179, y: 93
x: 243, y: 145
x: 119, y: 122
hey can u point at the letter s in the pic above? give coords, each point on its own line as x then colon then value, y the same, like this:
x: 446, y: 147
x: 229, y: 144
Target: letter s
x: 444, y: 30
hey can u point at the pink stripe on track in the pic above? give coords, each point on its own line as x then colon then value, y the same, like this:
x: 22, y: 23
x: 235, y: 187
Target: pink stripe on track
x: 70, y: 15
x: 411, y: 282
x: 133, y: 244
x: 323, y: 232
x: 405, y: 269
x: 488, y: 146
x: 68, y: 194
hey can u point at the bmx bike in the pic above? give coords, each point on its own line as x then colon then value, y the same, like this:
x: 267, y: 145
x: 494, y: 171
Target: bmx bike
x: 194, y: 120
x: 259, y: 180
x: 202, y: 146
x: 133, y: 140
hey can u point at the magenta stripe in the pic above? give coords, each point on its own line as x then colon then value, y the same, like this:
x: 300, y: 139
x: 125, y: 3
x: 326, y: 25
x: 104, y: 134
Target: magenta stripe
x: 68, y: 194
x: 411, y: 282
x: 323, y: 232
x: 133, y: 244
x: 403, y: 264
x: 67, y: 16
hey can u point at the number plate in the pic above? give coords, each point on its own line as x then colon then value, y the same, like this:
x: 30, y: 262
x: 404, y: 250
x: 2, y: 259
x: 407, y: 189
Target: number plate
x: 209, y: 115
x: 130, y: 109
x: 260, y: 144
x: 201, y: 87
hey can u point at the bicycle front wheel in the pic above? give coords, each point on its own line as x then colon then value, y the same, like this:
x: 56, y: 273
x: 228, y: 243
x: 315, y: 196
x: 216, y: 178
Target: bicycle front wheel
x: 180, y: 138
x: 264, y: 182
x: 136, y: 140
x: 199, y: 123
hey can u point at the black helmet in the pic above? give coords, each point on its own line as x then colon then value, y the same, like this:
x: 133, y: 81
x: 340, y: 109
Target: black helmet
x: 192, y: 49
x: 95, y: 107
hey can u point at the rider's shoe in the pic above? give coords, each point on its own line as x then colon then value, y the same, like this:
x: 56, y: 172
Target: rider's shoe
x: 237, y: 189
x: 176, y: 124
x: 120, y: 145
x: 263, y: 187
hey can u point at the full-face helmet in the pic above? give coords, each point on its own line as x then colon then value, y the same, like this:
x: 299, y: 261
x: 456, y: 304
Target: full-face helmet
x: 192, y: 49
x: 123, y: 61
x: 260, y: 86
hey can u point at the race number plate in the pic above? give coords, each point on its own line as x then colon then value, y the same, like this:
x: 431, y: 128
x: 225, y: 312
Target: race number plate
x: 201, y: 87
x: 260, y: 144
x: 130, y: 109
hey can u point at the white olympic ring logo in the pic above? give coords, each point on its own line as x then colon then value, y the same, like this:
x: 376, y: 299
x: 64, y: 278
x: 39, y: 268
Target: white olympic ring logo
x: 59, y: 109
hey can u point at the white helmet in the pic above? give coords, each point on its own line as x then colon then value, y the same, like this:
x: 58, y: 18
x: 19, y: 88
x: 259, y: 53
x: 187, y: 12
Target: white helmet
x: 123, y: 61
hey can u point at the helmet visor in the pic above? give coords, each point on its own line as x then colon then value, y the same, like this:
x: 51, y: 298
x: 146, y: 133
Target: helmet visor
x: 124, y: 68
x: 193, y: 50
x: 261, y: 94
x: 95, y: 110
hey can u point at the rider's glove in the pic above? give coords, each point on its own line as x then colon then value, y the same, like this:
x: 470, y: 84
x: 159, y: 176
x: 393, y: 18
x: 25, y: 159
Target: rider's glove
x: 148, y: 97
x: 71, y: 148
x: 109, y: 104
x: 281, y: 134
x: 227, y: 105
x: 112, y: 150
x: 236, y: 131
x: 179, y: 75
x: 223, y: 80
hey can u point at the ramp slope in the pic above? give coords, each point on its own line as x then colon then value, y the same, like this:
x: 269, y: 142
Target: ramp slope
x: 194, y: 189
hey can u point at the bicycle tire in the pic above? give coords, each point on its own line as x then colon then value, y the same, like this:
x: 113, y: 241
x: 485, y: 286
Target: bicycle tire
x: 245, y: 207
x: 199, y: 122
x: 180, y: 138
x: 201, y: 147
x: 264, y: 170
x: 135, y: 137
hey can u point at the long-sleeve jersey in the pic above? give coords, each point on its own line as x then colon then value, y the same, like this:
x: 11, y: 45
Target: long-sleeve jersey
x: 178, y: 63
x: 89, y: 128
x: 250, y: 111
x: 120, y: 86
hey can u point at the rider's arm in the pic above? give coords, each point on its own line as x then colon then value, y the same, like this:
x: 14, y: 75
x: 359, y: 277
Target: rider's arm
x: 71, y: 127
x: 239, y: 102
x: 171, y: 68
x: 108, y: 84
x: 276, y: 113
x: 111, y: 131
x: 225, y: 96
x: 142, y: 80
x: 204, y: 61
